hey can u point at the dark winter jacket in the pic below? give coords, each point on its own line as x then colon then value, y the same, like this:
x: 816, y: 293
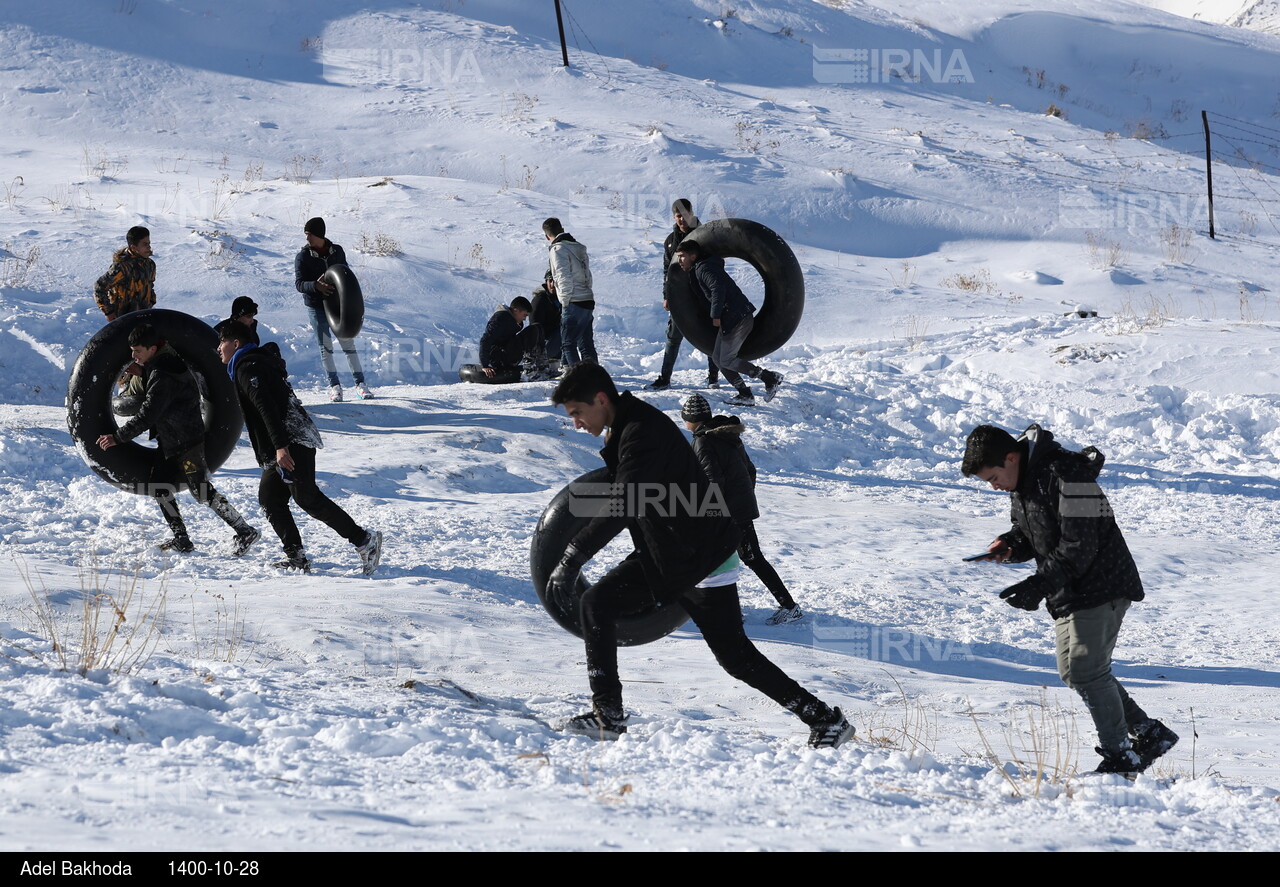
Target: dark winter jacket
x: 309, y: 266
x: 661, y: 492
x: 546, y: 310
x: 272, y: 412
x: 718, y: 446
x: 170, y: 406
x: 498, y: 334
x: 669, y: 247
x: 727, y: 301
x: 1062, y: 518
x: 129, y: 285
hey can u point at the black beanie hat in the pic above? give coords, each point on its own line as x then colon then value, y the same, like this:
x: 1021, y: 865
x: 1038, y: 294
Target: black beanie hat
x: 314, y: 226
x: 243, y: 305
x: 695, y: 408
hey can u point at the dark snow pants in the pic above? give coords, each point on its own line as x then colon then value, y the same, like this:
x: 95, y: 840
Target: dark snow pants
x: 188, y: 469
x: 717, y: 614
x: 274, y: 494
x: 749, y: 551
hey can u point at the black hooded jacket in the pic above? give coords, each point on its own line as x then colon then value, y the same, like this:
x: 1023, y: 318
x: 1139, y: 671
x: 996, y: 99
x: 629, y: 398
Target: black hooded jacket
x: 718, y: 446
x: 500, y: 331
x: 170, y: 406
x: 1062, y: 518
x: 272, y: 412
x: 663, y: 490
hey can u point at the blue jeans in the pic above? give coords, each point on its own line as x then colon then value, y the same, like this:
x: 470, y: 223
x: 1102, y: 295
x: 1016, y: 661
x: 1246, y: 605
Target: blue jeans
x: 577, y: 342
x: 324, y: 338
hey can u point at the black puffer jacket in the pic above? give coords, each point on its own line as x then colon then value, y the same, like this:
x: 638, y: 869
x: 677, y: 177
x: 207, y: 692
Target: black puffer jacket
x: 272, y: 412
x: 718, y: 445
x: 1062, y: 518
x: 170, y: 406
x: 656, y: 475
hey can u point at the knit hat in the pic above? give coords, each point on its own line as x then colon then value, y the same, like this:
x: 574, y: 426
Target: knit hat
x: 314, y: 226
x: 243, y: 305
x: 695, y: 408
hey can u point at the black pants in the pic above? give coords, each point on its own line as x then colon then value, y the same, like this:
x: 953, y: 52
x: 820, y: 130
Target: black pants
x: 188, y: 469
x: 529, y: 342
x: 274, y: 495
x: 717, y: 614
x: 749, y: 551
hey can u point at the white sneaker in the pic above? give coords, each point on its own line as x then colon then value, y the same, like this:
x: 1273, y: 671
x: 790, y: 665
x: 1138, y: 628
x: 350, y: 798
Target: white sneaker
x: 363, y: 392
x: 335, y: 394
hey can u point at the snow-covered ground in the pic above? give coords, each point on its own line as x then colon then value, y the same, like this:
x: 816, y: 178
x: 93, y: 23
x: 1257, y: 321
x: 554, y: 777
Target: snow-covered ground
x: 948, y: 228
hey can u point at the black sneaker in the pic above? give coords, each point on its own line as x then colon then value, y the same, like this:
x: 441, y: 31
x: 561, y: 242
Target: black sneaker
x: 179, y: 543
x: 662, y: 383
x: 295, y: 561
x: 783, y: 615
x: 742, y: 399
x: 596, y: 726
x: 1152, y: 739
x: 713, y: 381
x: 244, y: 540
x: 831, y: 734
x: 1122, y: 760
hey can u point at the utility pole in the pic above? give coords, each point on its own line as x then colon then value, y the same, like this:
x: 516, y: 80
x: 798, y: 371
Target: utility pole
x: 1208, y: 166
x: 564, y: 50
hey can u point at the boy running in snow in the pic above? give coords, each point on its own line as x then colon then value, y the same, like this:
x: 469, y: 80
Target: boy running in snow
x: 170, y: 409
x: 677, y: 546
x: 717, y: 442
x: 733, y: 316
x: 1084, y: 574
x: 285, y: 440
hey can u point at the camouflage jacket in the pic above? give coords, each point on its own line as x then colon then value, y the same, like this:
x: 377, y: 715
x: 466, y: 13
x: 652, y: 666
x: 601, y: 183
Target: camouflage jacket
x: 128, y: 286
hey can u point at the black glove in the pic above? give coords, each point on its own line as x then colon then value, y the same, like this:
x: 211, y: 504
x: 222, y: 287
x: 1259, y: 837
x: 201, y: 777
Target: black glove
x: 1027, y: 594
x: 562, y: 584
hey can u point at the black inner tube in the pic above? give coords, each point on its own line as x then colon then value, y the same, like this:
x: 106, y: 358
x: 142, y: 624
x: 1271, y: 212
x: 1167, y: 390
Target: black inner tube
x: 345, y: 308
x: 131, y: 466
x: 556, y: 529
x: 776, y: 320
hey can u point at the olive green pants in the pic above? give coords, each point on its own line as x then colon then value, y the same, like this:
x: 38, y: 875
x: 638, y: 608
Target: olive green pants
x: 1085, y: 641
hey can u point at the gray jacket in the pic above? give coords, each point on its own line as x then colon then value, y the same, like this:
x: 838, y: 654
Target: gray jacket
x: 570, y: 270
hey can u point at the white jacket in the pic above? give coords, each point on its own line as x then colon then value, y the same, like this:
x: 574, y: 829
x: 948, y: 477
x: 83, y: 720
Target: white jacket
x: 570, y: 270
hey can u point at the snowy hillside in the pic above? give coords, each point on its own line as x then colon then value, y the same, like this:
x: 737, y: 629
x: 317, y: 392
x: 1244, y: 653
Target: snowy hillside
x: 956, y: 180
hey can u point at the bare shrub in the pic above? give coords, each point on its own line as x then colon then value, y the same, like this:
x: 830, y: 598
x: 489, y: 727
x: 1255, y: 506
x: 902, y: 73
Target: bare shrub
x: 113, y: 625
x: 379, y: 245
